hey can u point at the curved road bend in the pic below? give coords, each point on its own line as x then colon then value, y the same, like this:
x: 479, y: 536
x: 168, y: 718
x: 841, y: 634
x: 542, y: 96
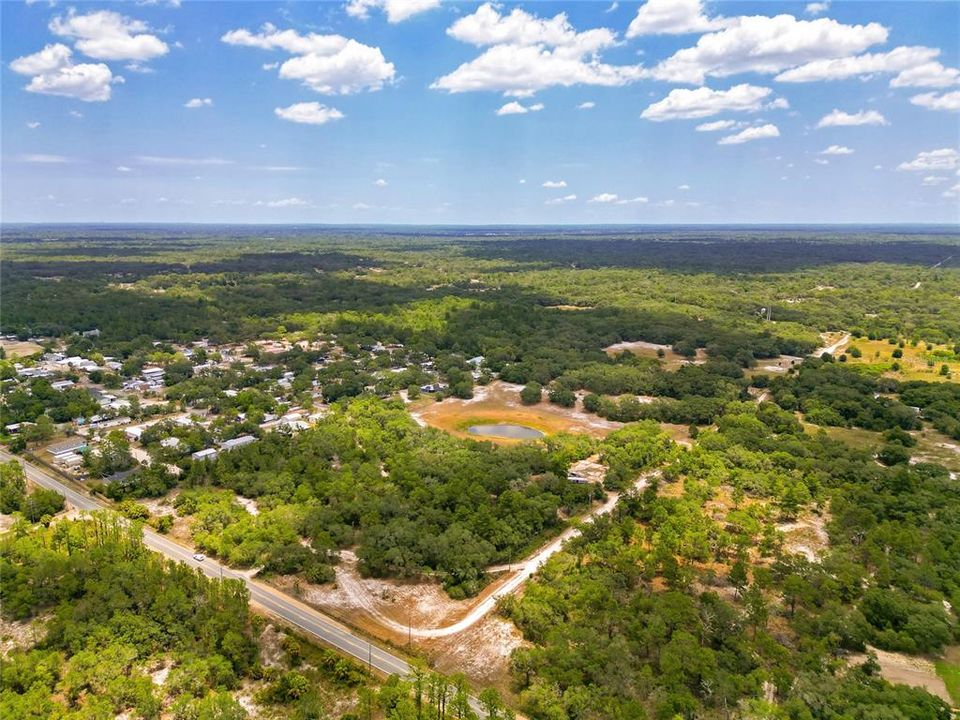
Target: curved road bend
x: 522, y: 572
x: 284, y: 607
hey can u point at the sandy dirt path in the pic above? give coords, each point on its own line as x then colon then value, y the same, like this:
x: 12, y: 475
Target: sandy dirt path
x: 832, y: 349
x: 488, y: 600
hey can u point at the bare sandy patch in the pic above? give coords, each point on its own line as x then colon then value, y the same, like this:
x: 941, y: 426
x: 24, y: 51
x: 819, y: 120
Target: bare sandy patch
x: 806, y: 536
x: 419, y: 604
x: 642, y: 348
x: 774, y: 366
x: 6, y: 522
x: 271, y: 652
x: 248, y: 504
x: 20, y: 634
x: 161, y: 505
x: 158, y: 676
x: 482, y: 653
x: 909, y: 670
x: 499, y: 402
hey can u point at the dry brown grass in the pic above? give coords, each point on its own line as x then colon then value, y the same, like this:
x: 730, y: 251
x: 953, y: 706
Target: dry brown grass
x: 499, y: 402
x: 19, y: 349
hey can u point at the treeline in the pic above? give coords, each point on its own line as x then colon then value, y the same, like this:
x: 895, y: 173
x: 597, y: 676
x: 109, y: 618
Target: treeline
x: 705, y: 251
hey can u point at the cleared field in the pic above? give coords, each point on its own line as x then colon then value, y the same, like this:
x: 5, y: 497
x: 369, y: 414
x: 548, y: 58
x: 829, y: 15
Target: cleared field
x: 670, y: 359
x: 865, y: 439
x: 914, y: 365
x: 936, y: 447
x: 932, y: 446
x: 773, y: 366
x: 499, y: 403
x: 19, y: 348
x: 911, y: 670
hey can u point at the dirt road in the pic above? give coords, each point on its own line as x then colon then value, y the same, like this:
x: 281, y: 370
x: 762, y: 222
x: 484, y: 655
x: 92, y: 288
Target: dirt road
x: 488, y: 600
x: 832, y: 349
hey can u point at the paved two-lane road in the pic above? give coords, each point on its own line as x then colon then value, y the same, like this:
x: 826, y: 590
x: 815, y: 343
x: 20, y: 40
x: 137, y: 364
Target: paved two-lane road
x: 284, y: 607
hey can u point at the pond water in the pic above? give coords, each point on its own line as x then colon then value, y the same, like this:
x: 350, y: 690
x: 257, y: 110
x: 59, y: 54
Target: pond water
x: 505, y: 430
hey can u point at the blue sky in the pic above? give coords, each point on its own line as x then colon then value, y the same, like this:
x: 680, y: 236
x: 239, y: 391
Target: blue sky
x: 429, y: 112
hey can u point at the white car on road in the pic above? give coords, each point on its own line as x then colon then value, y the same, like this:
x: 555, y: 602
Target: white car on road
x: 199, y: 557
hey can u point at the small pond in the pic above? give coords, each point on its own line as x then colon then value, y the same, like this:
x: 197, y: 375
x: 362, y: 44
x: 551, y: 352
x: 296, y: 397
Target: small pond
x: 505, y: 430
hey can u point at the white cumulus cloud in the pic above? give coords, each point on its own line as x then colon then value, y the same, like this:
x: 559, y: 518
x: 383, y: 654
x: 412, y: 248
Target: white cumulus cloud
x: 555, y: 184
x: 525, y: 53
x: 561, y: 200
x: 749, y: 134
x: 816, y: 8
x: 933, y: 160
x: 308, y: 113
x: 717, y: 125
x: 198, y: 103
x: 914, y: 66
x: 673, y: 17
x: 380, y: 182
x: 686, y: 104
x: 516, y: 108
x: 927, y: 75
x: 837, y: 150
x: 108, y: 35
x: 396, y: 10
x: 605, y: 198
x: 327, y: 64
x: 54, y: 73
x: 767, y: 45
x: 839, y: 118
x: 932, y: 101
x: 589, y: 105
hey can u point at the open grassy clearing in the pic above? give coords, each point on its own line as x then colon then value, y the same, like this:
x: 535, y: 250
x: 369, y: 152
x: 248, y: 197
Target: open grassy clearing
x: 499, y: 402
x: 857, y: 437
x: 914, y: 365
x: 936, y: 447
x: 932, y: 446
x: 641, y: 348
x: 19, y: 348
